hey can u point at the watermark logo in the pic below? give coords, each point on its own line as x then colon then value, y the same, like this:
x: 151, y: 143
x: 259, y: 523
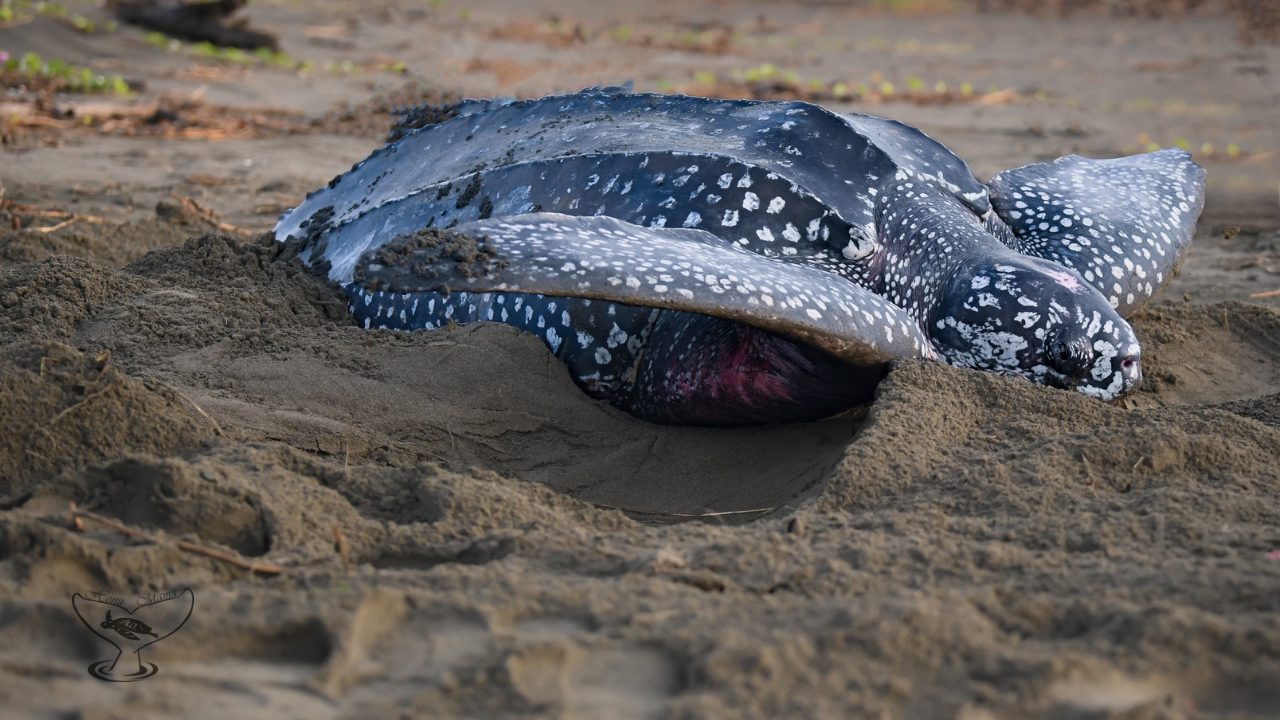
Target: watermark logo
x: 154, y: 618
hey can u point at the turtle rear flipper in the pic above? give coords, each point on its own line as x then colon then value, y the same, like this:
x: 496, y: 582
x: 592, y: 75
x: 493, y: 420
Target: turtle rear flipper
x: 601, y: 258
x: 1125, y: 225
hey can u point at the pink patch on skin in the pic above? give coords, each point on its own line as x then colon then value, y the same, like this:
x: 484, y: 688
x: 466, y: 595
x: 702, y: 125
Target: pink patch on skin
x: 1066, y: 280
x: 1273, y: 555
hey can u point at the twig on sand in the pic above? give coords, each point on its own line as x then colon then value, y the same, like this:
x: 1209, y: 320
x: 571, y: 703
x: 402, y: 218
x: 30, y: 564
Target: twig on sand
x: 1088, y: 471
x: 340, y: 541
x: 1272, y: 293
x: 66, y: 217
x: 999, y: 97
x: 722, y: 513
x: 209, y: 215
x: 216, y: 427
x: 51, y: 228
x: 76, y: 514
x: 83, y: 401
x: 93, y: 219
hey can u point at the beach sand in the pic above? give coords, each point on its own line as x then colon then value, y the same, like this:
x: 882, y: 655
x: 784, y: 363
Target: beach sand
x: 969, y: 546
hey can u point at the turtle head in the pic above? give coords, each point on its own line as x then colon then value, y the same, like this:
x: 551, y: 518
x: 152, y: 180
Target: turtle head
x: 1020, y: 315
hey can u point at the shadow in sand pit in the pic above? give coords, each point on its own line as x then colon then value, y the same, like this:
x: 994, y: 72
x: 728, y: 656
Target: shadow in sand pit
x: 490, y: 396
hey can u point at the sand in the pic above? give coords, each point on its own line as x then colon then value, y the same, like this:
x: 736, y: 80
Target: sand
x: 969, y: 546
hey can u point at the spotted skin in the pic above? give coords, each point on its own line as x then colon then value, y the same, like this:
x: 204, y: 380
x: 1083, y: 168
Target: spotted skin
x: 609, y: 259
x: 869, y: 217
x: 600, y: 342
x: 1016, y: 315
x: 1125, y: 225
x: 746, y: 205
x: 816, y: 150
x: 988, y: 307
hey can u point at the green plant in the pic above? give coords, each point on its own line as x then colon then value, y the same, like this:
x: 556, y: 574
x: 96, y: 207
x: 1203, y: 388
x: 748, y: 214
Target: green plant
x: 59, y: 75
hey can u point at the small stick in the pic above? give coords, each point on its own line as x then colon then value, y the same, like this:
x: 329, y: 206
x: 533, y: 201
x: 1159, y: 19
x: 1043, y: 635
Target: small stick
x: 51, y: 228
x: 216, y: 427
x: 73, y: 216
x: 684, y: 515
x: 110, y: 384
x: 340, y: 541
x: 209, y: 215
x: 181, y: 545
x: 1273, y: 293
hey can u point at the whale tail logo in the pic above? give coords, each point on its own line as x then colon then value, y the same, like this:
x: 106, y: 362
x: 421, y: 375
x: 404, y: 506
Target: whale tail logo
x: 130, y: 631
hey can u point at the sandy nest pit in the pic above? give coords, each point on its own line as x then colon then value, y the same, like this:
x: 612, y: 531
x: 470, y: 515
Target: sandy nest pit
x: 971, y: 534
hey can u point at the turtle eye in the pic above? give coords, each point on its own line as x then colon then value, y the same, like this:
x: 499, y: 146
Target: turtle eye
x: 1069, y: 354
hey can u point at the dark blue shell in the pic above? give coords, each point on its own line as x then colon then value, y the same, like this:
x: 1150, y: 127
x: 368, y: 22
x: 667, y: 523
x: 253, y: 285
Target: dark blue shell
x: 540, y: 155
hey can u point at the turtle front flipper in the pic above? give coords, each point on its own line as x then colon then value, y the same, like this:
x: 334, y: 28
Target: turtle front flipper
x: 602, y: 258
x: 1125, y: 225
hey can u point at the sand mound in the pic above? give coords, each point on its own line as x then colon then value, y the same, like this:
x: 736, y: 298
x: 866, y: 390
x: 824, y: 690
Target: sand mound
x: 209, y: 290
x: 60, y: 408
x: 50, y: 298
x: 1208, y: 353
x: 109, y: 244
x: 1034, y: 450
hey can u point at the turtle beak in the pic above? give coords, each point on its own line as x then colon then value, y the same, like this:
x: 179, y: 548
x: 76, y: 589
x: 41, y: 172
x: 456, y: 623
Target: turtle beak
x: 1114, y: 377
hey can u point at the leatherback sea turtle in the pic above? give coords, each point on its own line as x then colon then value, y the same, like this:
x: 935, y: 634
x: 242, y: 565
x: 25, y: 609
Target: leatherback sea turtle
x: 703, y: 261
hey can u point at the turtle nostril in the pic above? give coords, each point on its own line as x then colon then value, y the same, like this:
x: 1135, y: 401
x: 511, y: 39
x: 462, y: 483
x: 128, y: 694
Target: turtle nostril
x: 1128, y: 362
